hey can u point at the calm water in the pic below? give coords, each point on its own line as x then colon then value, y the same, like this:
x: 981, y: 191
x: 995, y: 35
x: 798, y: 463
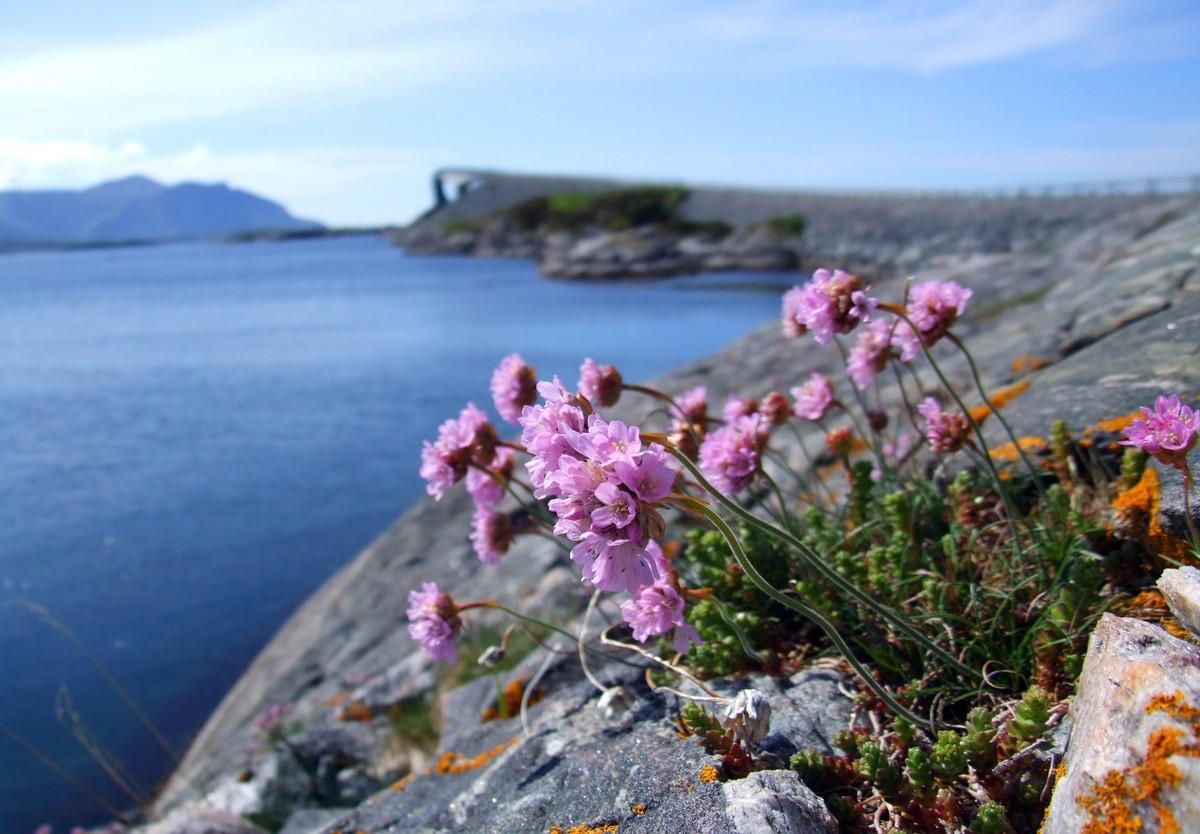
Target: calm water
x: 193, y: 437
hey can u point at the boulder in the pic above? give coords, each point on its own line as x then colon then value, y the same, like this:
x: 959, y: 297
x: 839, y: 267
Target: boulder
x: 1181, y: 587
x: 775, y: 802
x: 200, y: 818
x: 1131, y: 760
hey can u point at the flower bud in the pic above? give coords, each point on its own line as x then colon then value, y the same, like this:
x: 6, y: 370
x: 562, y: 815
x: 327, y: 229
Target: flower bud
x: 840, y: 442
x: 776, y: 408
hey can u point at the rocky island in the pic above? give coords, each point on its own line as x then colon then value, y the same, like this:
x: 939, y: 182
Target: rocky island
x: 1082, y: 310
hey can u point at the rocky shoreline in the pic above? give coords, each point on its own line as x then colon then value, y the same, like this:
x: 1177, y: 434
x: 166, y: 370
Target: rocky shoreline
x: 1097, y: 324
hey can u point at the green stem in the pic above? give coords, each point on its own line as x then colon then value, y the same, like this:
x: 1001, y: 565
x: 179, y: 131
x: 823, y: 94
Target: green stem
x: 1033, y: 472
x: 899, y: 621
x: 801, y: 608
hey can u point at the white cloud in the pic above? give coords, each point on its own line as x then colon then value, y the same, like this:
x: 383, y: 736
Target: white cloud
x: 30, y: 164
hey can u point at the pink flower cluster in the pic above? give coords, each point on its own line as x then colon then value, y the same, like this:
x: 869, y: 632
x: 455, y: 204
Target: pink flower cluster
x: 273, y: 718
x: 731, y: 455
x: 469, y: 439
x: 1167, y: 433
x: 657, y: 609
x: 933, y: 307
x: 813, y: 398
x: 433, y: 622
x: 491, y: 534
x: 946, y: 431
x: 599, y: 383
x: 514, y: 386
x: 871, y: 352
x: 603, y: 484
x: 831, y: 303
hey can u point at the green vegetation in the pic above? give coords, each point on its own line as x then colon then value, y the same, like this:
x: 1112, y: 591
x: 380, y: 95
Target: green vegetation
x: 787, y: 225
x: 615, y: 210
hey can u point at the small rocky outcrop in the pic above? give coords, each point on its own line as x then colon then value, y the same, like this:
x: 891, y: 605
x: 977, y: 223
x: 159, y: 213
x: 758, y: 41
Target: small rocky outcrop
x: 1132, y: 760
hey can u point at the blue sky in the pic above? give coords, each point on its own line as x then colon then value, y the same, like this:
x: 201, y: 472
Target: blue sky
x: 342, y: 109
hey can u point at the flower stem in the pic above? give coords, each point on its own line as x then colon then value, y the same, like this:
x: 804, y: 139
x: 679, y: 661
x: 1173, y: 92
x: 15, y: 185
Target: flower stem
x: 897, y: 620
x: 805, y: 610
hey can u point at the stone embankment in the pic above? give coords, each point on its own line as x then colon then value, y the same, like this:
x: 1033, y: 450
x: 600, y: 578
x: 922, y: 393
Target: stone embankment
x: 724, y: 229
x: 1098, y: 323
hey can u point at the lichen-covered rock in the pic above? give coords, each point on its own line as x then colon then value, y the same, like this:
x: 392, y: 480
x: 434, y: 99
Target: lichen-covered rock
x: 1181, y: 587
x: 1135, y: 736
x: 311, y: 820
x: 775, y: 802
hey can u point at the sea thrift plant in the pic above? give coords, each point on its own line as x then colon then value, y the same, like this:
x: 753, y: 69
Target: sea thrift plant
x: 657, y: 609
x: 599, y: 383
x: 731, y: 455
x: 689, y: 420
x: 831, y: 303
x: 486, y: 484
x: 872, y: 352
x: 775, y: 408
x: 933, y: 308
x: 491, y: 534
x: 736, y: 407
x: 434, y: 623
x: 469, y: 439
x: 814, y: 398
x: 604, y: 485
x: 1167, y: 433
x: 946, y: 432
x: 514, y: 386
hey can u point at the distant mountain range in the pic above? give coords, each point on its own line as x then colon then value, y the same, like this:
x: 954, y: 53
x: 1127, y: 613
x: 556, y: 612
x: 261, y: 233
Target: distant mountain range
x: 138, y: 209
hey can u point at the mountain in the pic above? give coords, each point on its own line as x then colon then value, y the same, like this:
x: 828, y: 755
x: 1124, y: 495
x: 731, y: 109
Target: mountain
x: 138, y: 208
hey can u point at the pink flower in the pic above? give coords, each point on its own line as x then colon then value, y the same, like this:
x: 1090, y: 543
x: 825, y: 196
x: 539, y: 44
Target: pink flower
x: 934, y: 306
x: 689, y: 420
x: 491, y: 534
x: 691, y: 406
x: 603, y: 484
x: 946, y: 432
x: 468, y: 439
x: 45, y: 828
x: 871, y: 353
x: 795, y: 312
x: 775, y: 408
x: 273, y: 718
x: 813, y: 398
x: 547, y: 431
x: 433, y: 622
x: 486, y: 484
x: 657, y: 609
x: 832, y: 302
x: 731, y: 455
x: 736, y: 407
x: 514, y: 386
x: 1167, y: 433
x: 599, y: 383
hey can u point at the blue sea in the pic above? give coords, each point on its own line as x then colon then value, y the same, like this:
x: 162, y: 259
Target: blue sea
x: 193, y: 437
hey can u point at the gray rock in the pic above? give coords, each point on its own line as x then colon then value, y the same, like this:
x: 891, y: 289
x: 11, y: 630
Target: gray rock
x: 775, y: 802
x: 278, y: 785
x: 312, y: 820
x: 198, y: 818
x: 1181, y: 587
x: 1129, y: 663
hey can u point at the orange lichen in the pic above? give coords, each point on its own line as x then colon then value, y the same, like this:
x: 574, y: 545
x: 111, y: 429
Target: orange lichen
x: 1030, y: 443
x: 338, y: 699
x: 1112, y: 802
x: 1137, y: 508
x: 604, y: 828
x: 513, y: 693
x: 999, y: 400
x: 452, y: 764
x: 1027, y: 363
x: 709, y: 773
x: 400, y: 785
x: 356, y: 711
x: 1113, y: 424
x: 639, y: 809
